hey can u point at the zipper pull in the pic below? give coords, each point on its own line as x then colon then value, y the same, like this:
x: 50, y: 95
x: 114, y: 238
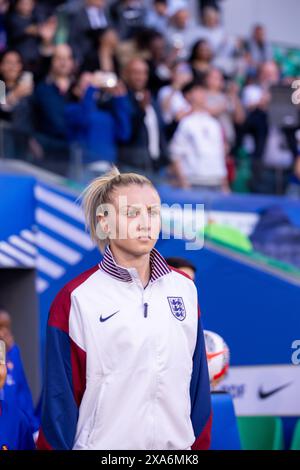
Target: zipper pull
x: 145, y: 310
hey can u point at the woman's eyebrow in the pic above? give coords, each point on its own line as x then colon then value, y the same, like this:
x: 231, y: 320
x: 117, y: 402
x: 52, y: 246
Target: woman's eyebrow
x: 139, y: 206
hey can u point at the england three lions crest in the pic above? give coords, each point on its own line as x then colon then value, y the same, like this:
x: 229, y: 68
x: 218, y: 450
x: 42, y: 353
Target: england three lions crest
x: 177, y: 307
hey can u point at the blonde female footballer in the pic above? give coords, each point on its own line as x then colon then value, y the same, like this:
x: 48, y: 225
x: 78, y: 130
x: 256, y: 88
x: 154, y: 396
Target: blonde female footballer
x: 125, y: 358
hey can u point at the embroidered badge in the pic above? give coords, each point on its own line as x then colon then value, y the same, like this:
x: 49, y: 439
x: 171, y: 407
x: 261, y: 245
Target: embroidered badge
x: 177, y: 307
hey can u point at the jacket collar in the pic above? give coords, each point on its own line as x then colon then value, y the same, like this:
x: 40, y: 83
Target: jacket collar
x: 158, y: 266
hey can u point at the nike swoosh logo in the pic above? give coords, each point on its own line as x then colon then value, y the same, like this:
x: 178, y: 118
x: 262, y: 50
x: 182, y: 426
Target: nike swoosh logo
x: 263, y: 395
x: 102, y: 319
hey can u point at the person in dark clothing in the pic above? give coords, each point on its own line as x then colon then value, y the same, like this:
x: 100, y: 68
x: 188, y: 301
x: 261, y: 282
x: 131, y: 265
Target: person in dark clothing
x: 159, y: 70
x: 15, y: 431
x: 201, y: 59
x: 23, y: 31
x: 128, y: 16
x: 146, y: 150
x: 104, y: 55
x: 50, y: 99
x: 4, y: 6
x: 15, y: 113
x: 30, y: 32
x: 88, y: 20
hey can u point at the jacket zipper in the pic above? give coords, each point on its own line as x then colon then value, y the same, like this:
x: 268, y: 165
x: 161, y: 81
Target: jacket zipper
x: 145, y: 310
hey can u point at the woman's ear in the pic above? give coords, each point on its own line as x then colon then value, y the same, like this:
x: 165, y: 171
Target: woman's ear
x: 103, y: 222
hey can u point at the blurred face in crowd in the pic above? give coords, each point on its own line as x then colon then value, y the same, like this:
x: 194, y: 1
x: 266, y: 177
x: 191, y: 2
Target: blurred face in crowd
x: 259, y: 34
x: 5, y: 328
x: 214, y: 80
x: 181, y: 74
x: 137, y: 223
x: 136, y: 75
x: 161, y: 8
x: 269, y: 73
x: 25, y: 7
x: 4, y: 5
x: 211, y: 17
x: 203, y: 51
x: 157, y: 47
x: 196, y: 97
x: 95, y: 3
x: 62, y: 61
x: 11, y: 67
x: 109, y: 39
x: 180, y: 19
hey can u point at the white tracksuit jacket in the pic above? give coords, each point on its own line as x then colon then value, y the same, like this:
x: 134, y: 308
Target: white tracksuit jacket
x: 126, y: 365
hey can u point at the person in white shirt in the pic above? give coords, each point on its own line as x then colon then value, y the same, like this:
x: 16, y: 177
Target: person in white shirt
x: 181, y: 33
x: 172, y: 103
x: 197, y: 149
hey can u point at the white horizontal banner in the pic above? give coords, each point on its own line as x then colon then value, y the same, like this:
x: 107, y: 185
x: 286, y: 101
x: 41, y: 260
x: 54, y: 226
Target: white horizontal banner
x: 264, y: 390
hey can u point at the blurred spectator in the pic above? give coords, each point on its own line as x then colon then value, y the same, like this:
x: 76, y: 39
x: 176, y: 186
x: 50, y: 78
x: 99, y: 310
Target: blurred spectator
x: 50, y: 99
x: 98, y: 119
x: 157, y: 16
x: 146, y: 150
x: 4, y: 6
x: 201, y: 59
x: 128, y: 16
x: 104, y: 55
x: 212, y: 30
x: 209, y: 3
x: 15, y: 431
x: 89, y: 19
x: 23, y: 24
x: 159, y: 70
x: 15, y: 117
x: 16, y: 391
x: 182, y: 264
x: 259, y: 49
x: 256, y: 100
x: 30, y: 33
x: 172, y: 103
x: 226, y: 108
x: 181, y: 33
x: 223, y: 46
x: 197, y: 148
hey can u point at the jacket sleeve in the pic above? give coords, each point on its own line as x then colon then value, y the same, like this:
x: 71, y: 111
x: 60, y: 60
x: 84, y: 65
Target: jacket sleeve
x: 201, y: 415
x: 65, y: 376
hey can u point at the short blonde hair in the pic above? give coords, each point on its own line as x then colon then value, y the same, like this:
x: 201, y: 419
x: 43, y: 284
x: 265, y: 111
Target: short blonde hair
x: 99, y: 192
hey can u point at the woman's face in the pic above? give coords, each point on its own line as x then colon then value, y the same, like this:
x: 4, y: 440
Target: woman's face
x: 204, y: 51
x: 215, y: 80
x: 136, y: 224
x: 11, y: 67
x: 25, y: 7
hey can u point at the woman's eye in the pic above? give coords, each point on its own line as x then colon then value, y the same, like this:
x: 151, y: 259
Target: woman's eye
x: 132, y: 212
x: 154, y: 212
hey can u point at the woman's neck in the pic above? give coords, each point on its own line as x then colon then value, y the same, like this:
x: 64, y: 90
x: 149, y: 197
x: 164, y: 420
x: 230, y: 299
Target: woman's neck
x: 140, y: 263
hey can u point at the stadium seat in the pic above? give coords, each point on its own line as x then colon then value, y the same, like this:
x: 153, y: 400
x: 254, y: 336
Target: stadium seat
x: 295, y: 445
x: 261, y: 433
x: 225, y: 434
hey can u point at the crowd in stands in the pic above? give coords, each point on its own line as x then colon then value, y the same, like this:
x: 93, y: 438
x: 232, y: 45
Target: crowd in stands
x: 148, y: 86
